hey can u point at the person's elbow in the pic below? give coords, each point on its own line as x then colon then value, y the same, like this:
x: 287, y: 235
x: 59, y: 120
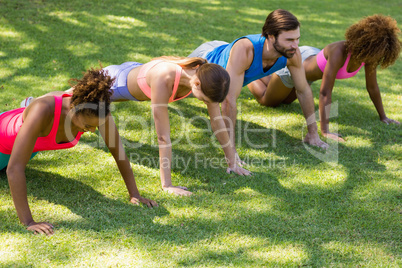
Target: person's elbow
x: 230, y: 101
x: 324, y: 94
x: 13, y: 171
x: 164, y: 140
x: 372, y: 90
x: 303, y: 88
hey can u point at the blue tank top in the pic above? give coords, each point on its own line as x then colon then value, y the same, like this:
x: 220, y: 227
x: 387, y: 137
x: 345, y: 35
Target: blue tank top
x: 220, y: 56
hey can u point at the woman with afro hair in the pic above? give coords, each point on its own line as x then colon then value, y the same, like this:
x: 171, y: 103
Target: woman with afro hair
x: 371, y: 42
x: 56, y: 121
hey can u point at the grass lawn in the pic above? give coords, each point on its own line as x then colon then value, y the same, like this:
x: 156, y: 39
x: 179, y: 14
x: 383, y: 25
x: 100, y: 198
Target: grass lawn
x: 295, y: 211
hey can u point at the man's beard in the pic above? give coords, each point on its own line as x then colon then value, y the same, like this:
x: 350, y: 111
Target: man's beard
x: 288, y: 53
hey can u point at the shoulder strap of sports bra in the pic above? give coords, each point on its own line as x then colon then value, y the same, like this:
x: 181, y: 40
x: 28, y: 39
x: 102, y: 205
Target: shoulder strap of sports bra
x: 58, y: 102
x: 176, y: 83
x: 142, y: 75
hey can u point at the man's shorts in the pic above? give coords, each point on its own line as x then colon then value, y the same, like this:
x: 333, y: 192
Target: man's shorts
x: 205, y: 48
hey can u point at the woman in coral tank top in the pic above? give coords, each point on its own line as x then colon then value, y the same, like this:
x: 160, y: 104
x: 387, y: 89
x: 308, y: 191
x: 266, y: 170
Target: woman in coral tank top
x: 54, y: 122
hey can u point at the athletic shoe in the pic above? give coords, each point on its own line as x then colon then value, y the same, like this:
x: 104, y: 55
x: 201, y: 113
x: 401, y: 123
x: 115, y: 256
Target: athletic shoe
x: 26, y: 102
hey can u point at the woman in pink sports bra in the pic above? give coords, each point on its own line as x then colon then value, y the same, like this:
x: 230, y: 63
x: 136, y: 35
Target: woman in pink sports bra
x: 56, y: 121
x: 371, y: 42
x: 167, y: 79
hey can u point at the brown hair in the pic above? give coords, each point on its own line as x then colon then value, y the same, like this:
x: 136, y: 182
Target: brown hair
x: 215, y: 80
x: 374, y: 40
x: 91, y: 94
x: 183, y: 61
x: 279, y: 20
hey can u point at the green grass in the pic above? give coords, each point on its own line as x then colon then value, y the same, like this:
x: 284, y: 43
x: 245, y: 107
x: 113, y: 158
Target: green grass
x: 295, y: 211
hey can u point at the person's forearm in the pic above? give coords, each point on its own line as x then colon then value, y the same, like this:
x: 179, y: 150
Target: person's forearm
x: 128, y: 177
x: 165, y: 162
x: 113, y: 141
x: 305, y: 98
x: 18, y: 188
x: 229, y: 112
x: 324, y: 108
x: 375, y: 97
x: 221, y: 134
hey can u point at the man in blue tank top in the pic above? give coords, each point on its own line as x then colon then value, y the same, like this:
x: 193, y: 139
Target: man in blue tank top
x: 252, y: 57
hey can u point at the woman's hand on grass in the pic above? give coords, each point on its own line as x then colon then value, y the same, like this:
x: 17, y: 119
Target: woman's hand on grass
x: 238, y: 170
x: 239, y: 161
x: 314, y: 139
x: 141, y: 200
x: 388, y: 121
x: 41, y: 228
x: 178, y: 190
x: 333, y: 136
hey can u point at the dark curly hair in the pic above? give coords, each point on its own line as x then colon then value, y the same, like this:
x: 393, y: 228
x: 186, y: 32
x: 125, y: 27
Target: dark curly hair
x: 91, y: 94
x: 374, y: 40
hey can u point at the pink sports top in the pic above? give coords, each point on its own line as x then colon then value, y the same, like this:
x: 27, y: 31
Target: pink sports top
x: 342, y: 72
x: 142, y: 82
x: 11, y: 122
